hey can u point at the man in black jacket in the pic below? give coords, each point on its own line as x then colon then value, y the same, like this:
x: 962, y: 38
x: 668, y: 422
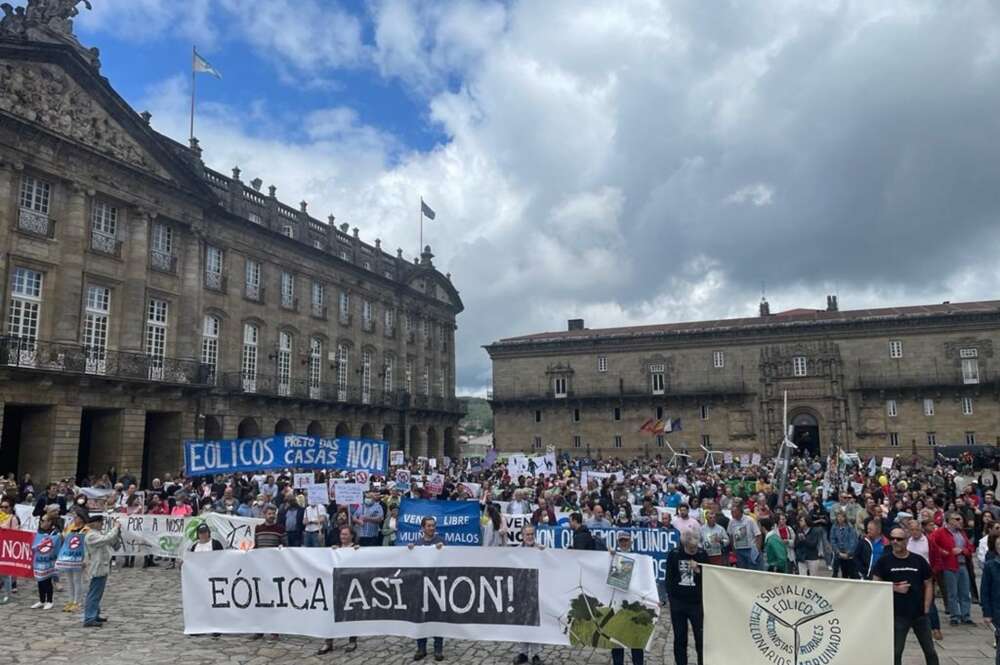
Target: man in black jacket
x: 684, y: 591
x: 49, y: 498
x: 582, y: 538
x: 292, y: 516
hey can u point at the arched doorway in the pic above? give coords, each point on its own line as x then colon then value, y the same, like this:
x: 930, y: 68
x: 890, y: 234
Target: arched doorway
x: 213, y: 428
x: 283, y: 426
x: 433, y: 443
x: 315, y: 428
x: 418, y: 447
x: 451, y: 445
x: 805, y: 434
x: 387, y: 433
x: 367, y: 431
x: 247, y: 429
x: 343, y: 429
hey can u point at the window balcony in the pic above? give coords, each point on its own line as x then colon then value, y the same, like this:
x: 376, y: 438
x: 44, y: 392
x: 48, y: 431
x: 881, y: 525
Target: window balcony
x: 105, y: 243
x: 215, y: 281
x: 390, y: 332
x: 290, y: 303
x: 253, y: 292
x: 163, y: 261
x: 318, y: 310
x: 344, y: 318
x: 35, y: 223
x: 368, y: 325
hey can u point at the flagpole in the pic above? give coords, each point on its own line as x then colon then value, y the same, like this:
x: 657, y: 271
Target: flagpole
x: 420, y: 248
x: 193, y: 53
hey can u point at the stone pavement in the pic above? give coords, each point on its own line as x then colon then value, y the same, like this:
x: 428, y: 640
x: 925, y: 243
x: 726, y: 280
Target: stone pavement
x: 146, y: 628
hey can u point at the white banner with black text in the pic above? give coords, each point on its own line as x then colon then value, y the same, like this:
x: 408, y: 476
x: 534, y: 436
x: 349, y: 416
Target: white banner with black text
x: 493, y: 594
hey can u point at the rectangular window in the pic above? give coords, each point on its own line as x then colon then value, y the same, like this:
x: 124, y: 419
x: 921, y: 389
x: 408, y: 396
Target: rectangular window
x: 213, y: 268
x: 315, y: 368
x: 895, y: 348
x: 343, y: 357
x: 425, y: 328
x: 559, y: 386
x: 161, y: 248
x: 704, y: 411
x: 288, y: 230
x: 893, y: 439
x: 616, y: 413
x: 387, y: 378
x: 366, y: 377
x: 657, y: 383
x: 95, y: 329
x: 248, y: 363
x: 210, y: 347
x: 618, y: 441
x: 706, y: 441
x: 966, y: 406
x: 345, y: 307
x: 318, y: 300
x: 659, y: 440
x: 800, y: 366
x: 928, y: 407
x: 538, y: 416
x: 390, y: 321
x: 970, y: 370
x: 425, y: 383
x: 24, y: 315
x: 409, y: 376
x: 970, y: 438
x: 284, y: 363
x: 252, y: 280
x: 890, y: 408
x: 367, y: 315
x: 442, y: 382
x: 577, y: 442
x: 104, y: 227
x: 659, y: 413
x: 602, y: 363
x: 255, y: 218
x: 719, y: 359
x: 931, y: 438
x: 35, y: 195
x: 537, y: 443
x: 968, y: 353
x: 156, y: 337
x: 287, y: 290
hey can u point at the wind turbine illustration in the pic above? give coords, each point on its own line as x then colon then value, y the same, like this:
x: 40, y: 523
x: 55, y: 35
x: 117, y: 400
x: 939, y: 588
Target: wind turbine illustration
x: 709, y: 456
x: 785, y: 449
x: 793, y: 626
x: 674, y: 455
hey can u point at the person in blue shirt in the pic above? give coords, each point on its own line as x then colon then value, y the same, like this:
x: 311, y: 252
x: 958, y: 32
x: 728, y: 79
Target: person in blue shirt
x: 46, y: 550
x: 429, y: 538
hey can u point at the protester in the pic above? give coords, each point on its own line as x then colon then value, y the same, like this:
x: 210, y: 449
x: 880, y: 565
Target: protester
x: 714, y: 539
x: 429, y: 538
x: 954, y: 547
x: 808, y: 540
x: 315, y: 525
x: 912, y: 595
x: 8, y: 520
x: 368, y: 518
x: 99, y: 551
x: 684, y: 591
x: 745, y: 536
x: 45, y: 550
x: 528, y: 650
x: 345, y: 540
x: 618, y: 653
x: 989, y: 592
x: 869, y: 549
x: 920, y: 545
x: 205, y: 542
x: 843, y: 540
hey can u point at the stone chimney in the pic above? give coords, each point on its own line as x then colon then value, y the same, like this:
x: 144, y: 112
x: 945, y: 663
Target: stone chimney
x: 765, y: 309
x: 574, y: 324
x: 831, y: 304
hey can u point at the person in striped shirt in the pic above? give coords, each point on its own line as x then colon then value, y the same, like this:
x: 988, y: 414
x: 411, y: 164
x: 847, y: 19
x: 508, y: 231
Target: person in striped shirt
x: 368, y: 519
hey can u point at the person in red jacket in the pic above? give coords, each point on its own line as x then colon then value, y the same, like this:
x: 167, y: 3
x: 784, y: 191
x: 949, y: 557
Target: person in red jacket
x: 953, y: 547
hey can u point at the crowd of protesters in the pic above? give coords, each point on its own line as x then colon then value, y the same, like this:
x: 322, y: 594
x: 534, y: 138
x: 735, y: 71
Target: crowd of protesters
x: 837, y: 516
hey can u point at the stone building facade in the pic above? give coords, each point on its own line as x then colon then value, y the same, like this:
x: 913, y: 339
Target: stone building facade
x: 147, y: 298
x: 888, y: 381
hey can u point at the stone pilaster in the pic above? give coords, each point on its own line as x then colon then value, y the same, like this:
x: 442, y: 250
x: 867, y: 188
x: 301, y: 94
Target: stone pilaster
x: 72, y: 234
x: 134, y: 290
x: 190, y: 306
x: 8, y: 214
x: 65, y: 438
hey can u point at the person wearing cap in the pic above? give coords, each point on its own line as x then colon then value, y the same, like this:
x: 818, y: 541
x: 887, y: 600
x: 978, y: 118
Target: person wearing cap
x: 618, y: 654
x: 205, y: 542
x: 99, y: 547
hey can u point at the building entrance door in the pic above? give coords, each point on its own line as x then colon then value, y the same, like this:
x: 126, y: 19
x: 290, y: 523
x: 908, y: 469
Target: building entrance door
x: 806, y: 434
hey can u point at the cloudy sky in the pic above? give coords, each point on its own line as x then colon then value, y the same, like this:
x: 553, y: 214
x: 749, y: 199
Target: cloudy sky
x: 624, y: 162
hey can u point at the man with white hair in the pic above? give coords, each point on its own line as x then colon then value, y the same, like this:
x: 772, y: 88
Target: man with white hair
x: 684, y: 591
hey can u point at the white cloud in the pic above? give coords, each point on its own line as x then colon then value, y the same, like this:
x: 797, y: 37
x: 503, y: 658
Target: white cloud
x: 757, y: 194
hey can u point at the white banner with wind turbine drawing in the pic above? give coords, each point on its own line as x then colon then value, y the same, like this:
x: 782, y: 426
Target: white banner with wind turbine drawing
x: 757, y: 618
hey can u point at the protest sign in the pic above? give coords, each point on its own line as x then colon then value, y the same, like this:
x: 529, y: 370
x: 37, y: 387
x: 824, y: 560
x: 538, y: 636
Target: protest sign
x: 25, y: 516
x: 396, y: 458
x: 447, y: 461
x: 744, y: 460
x: 727, y: 458
x: 501, y: 594
x: 158, y: 535
x: 350, y: 494
x: 513, y: 525
x: 285, y: 451
x: 15, y: 553
x: 317, y: 494
x: 435, y: 483
x: 755, y: 459
x: 825, y: 620
x: 363, y: 478
x: 403, y: 480
x: 457, y: 521
x: 656, y: 543
x: 302, y: 480
x: 474, y: 489
x: 886, y: 463
x: 233, y: 531
x: 858, y: 488
x: 432, y: 463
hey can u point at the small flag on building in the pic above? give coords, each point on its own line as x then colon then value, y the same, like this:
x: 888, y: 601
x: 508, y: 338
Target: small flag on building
x: 426, y: 210
x: 675, y: 425
x: 647, y: 426
x: 201, y: 66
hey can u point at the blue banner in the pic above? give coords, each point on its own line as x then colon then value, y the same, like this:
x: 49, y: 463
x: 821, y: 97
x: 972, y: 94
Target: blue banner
x: 457, y: 521
x: 285, y: 451
x: 657, y: 543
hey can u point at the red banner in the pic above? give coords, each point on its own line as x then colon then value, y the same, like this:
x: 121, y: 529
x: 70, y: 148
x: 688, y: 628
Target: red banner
x: 15, y: 553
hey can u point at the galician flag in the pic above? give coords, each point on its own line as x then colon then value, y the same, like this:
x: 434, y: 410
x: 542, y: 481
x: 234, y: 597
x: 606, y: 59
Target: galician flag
x: 426, y: 210
x: 200, y: 65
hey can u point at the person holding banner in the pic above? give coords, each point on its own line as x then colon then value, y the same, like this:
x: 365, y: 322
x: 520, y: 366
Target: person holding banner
x: 99, y: 552
x: 429, y: 538
x: 529, y: 650
x: 684, y: 592
x: 345, y: 540
x: 618, y: 654
x: 8, y: 520
x: 69, y: 562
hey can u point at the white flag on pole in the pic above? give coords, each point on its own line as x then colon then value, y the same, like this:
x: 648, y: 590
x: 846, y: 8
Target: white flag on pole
x: 201, y: 66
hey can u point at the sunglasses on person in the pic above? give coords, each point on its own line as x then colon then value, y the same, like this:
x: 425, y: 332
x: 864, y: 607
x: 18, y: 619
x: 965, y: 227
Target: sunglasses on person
x: 898, y: 538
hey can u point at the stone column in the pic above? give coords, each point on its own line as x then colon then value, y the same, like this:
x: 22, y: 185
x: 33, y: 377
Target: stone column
x: 65, y: 433
x: 8, y: 213
x: 188, y: 320
x: 134, y: 289
x: 72, y: 235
